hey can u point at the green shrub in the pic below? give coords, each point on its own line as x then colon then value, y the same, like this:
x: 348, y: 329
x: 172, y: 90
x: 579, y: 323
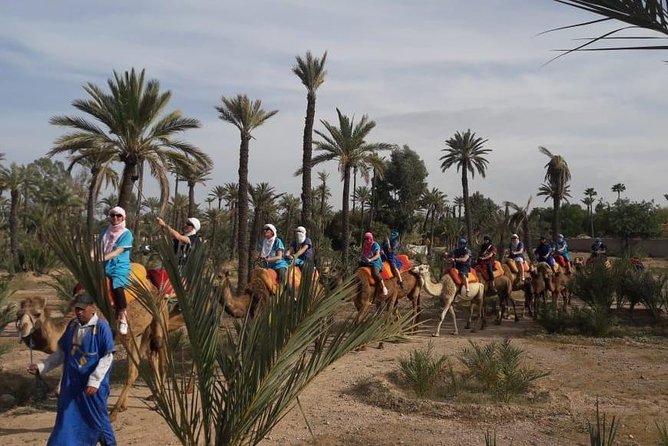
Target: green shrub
x: 652, y: 293
x: 421, y: 369
x: 7, y: 310
x: 592, y: 321
x: 38, y: 256
x: 602, y: 434
x: 552, y: 319
x: 595, y: 285
x: 497, y: 368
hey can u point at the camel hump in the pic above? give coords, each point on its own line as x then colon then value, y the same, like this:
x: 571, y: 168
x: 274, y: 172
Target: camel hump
x: 269, y: 278
x: 364, y: 273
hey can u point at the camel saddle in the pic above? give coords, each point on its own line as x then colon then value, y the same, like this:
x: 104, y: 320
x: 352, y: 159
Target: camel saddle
x: 386, y: 272
x: 160, y: 279
x: 471, y: 276
x: 269, y: 277
x: 513, y: 265
x: 137, y: 272
x: 497, y: 270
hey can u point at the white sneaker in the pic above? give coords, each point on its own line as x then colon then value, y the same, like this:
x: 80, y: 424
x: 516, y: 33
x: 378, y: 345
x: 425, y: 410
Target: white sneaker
x: 385, y: 292
x: 123, y: 327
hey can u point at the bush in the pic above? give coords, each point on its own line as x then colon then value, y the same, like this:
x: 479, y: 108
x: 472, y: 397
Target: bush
x: 37, y: 256
x: 592, y: 321
x: 663, y: 434
x: 421, y: 369
x: 497, y: 368
x: 552, y: 319
x: 7, y: 311
x: 595, y: 285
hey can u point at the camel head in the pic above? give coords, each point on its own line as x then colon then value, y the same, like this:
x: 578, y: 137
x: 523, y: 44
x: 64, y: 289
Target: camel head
x: 422, y: 270
x: 30, y: 318
x: 233, y: 305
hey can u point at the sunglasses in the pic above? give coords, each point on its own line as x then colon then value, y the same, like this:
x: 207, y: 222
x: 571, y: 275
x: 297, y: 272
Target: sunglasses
x: 115, y: 215
x: 190, y: 224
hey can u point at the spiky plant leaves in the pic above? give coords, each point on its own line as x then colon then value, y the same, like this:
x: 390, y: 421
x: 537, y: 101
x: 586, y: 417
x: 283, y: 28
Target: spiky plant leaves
x: 7, y: 311
x: 248, y: 376
x: 602, y: 433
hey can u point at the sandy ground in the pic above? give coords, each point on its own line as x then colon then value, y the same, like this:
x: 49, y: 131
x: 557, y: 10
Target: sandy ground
x: 357, y: 401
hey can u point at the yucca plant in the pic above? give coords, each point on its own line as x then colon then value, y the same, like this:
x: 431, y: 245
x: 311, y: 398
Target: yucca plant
x: 497, y: 368
x: 602, y: 434
x: 421, y: 368
x: 247, y: 377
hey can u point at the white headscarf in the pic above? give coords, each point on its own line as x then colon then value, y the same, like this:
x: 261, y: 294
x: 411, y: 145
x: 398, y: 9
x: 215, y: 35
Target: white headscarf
x: 300, y: 233
x: 196, y: 225
x: 268, y: 243
x: 113, y: 231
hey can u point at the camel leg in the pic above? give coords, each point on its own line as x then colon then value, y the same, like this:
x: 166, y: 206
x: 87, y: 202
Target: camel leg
x: 446, y: 308
x: 133, y: 351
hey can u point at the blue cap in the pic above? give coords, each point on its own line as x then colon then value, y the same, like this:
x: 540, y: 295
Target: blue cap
x: 394, y: 235
x: 462, y: 241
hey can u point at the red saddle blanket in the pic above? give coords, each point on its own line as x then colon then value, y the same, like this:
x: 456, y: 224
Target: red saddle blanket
x: 386, y: 272
x: 454, y: 273
x: 160, y: 280
x: 497, y: 271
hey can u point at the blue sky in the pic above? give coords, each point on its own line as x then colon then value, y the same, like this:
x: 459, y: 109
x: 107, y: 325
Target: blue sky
x: 422, y: 70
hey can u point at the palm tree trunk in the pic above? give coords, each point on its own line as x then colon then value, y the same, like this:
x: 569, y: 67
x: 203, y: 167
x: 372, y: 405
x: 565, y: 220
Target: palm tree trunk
x: 354, y: 187
x: 127, y: 183
x: 556, y: 221
x: 242, y: 203
x: 90, y: 204
x: 467, y: 213
x: 140, y: 190
x: 191, y: 199
x: 306, y: 157
x: 345, y: 213
x: 591, y: 219
x: 255, y: 234
x: 235, y: 229
x: 431, y: 237
x: 13, y: 230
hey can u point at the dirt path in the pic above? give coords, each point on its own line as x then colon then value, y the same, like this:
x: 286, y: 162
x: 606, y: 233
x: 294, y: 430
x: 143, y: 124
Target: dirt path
x: 357, y: 401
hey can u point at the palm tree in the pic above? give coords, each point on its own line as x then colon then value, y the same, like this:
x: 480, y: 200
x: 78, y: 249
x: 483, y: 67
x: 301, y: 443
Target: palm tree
x: 231, y: 198
x: 518, y: 222
x: 289, y: 205
x: 435, y: 202
x: 218, y: 193
x: 459, y: 203
x: 323, y: 191
x: 347, y: 145
x: 557, y: 176
x: 311, y: 72
x: 362, y: 195
x: 466, y: 151
x: 129, y: 127
x: 12, y: 178
x: 619, y: 188
x: 588, y: 201
x: 651, y: 15
x: 193, y: 173
x: 246, y: 115
x: 99, y: 167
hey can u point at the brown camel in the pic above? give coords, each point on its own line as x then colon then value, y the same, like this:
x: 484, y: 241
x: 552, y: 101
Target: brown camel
x: 261, y: 288
x: 368, y: 294
x: 446, y: 291
x: 145, y: 337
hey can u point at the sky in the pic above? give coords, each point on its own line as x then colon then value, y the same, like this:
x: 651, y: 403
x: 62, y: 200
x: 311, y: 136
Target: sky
x: 422, y: 70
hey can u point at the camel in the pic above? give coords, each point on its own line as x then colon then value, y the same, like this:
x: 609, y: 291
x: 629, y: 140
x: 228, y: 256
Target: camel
x: 145, y: 338
x: 446, y: 290
x: 262, y: 286
x: 504, y: 289
x: 367, y: 294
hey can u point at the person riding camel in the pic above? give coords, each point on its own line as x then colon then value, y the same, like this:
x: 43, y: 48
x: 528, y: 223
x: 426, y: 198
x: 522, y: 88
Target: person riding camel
x: 543, y: 253
x: 301, y: 249
x: 271, y: 252
x: 371, y: 258
x: 462, y: 261
x: 486, y: 260
x: 516, y: 252
x: 598, y: 249
x: 561, y: 250
x: 390, y: 249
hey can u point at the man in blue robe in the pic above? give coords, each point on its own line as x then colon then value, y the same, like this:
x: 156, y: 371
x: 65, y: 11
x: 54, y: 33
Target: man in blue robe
x: 86, y: 351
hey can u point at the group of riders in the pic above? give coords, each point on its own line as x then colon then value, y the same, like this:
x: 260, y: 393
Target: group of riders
x: 550, y: 253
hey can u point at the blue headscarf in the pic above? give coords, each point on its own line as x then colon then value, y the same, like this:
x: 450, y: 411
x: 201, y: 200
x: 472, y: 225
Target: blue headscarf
x: 394, y: 235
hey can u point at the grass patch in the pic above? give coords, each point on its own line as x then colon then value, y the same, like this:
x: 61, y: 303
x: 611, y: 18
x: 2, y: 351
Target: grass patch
x: 421, y: 369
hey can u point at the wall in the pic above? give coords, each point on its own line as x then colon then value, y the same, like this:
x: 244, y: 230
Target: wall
x: 646, y: 248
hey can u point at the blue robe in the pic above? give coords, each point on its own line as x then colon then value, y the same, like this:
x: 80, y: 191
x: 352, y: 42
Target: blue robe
x: 83, y: 420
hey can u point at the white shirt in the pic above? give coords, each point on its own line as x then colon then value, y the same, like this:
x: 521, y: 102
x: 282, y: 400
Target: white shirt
x: 58, y: 357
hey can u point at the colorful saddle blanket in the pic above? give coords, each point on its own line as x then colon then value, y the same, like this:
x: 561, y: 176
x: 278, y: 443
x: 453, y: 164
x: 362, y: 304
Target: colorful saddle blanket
x: 386, y: 272
x: 497, y: 271
x: 456, y: 277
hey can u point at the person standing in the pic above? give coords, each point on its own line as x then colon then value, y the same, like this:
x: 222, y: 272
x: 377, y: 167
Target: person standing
x: 184, y: 241
x: 271, y: 252
x: 116, y: 244
x: 86, y: 351
x: 301, y: 249
x: 371, y: 258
